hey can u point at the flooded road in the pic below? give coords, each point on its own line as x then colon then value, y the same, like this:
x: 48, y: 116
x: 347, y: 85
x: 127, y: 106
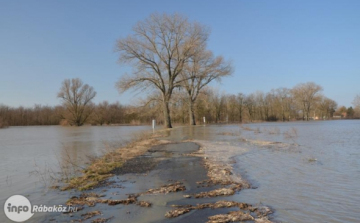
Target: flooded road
x: 310, y: 174
x: 305, y: 171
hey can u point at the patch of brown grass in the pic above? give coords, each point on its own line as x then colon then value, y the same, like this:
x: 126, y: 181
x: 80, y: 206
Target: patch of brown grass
x: 100, y: 168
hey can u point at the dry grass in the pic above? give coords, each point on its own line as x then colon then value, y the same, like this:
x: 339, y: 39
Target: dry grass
x: 100, y: 168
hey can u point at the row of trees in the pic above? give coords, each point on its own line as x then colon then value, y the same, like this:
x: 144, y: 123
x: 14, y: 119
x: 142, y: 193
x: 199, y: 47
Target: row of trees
x: 280, y: 104
x: 102, y: 113
x: 37, y: 115
x: 303, y: 102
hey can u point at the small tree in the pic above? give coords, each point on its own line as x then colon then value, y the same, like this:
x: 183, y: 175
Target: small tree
x: 158, y: 50
x: 76, y: 98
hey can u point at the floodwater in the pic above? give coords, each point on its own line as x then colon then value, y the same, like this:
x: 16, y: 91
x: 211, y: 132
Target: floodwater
x: 30, y: 156
x: 310, y: 174
x: 305, y: 171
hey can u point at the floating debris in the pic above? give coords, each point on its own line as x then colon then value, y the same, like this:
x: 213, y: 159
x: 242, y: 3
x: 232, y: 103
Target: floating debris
x: 260, y: 212
x: 130, y: 200
x: 95, y: 198
x: 144, y: 204
x: 90, y: 214
x: 221, y: 191
x: 263, y: 211
x: 215, y: 193
x: 101, y: 220
x: 177, y: 212
x: 233, y: 216
x: 262, y: 220
x: 175, y: 187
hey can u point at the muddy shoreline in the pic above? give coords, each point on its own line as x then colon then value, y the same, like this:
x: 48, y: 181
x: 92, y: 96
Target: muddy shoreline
x: 171, y: 182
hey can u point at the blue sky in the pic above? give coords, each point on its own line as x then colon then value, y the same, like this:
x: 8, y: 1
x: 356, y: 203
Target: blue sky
x: 272, y: 44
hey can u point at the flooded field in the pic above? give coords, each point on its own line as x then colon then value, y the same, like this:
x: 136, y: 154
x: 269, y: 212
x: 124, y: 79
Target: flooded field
x: 30, y: 155
x: 305, y: 171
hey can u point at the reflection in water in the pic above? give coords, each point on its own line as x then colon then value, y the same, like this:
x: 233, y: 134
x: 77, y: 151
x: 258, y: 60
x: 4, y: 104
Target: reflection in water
x: 77, y: 147
x: 311, y: 173
x: 44, y: 150
x: 315, y: 176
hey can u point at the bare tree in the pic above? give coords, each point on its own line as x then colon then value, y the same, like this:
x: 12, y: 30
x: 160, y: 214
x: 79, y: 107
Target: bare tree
x: 356, y: 103
x: 201, y: 69
x: 101, y: 113
x: 157, y: 51
x: 218, y: 101
x: 76, y: 98
x: 282, y: 96
x: 240, y: 105
x: 250, y: 105
x: 326, y: 107
x: 306, y: 95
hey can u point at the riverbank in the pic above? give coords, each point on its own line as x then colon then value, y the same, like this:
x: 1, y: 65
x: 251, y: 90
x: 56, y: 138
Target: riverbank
x: 164, y: 181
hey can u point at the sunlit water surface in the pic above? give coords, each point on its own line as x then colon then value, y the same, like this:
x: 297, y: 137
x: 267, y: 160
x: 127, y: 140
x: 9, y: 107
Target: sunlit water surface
x: 30, y: 156
x: 313, y: 177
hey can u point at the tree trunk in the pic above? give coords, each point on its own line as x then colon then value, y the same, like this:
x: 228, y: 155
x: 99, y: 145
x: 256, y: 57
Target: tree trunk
x: 191, y: 113
x: 167, y: 119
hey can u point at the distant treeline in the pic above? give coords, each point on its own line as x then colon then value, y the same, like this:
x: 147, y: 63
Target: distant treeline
x: 102, y: 113
x: 303, y: 102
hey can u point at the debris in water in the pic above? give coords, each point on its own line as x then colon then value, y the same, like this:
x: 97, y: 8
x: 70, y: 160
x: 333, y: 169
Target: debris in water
x: 182, y: 209
x: 101, y: 220
x: 144, y: 204
x: 230, y: 217
x: 263, y: 211
x: 262, y: 220
x: 177, y: 212
x: 175, y: 187
x: 90, y: 214
x: 215, y: 193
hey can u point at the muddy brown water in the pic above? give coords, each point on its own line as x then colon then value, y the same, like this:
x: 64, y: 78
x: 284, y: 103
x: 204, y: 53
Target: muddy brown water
x: 315, y: 178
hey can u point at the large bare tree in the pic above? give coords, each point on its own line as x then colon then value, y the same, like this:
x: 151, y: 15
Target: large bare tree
x: 76, y: 98
x: 157, y: 50
x: 306, y: 94
x: 201, y: 69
